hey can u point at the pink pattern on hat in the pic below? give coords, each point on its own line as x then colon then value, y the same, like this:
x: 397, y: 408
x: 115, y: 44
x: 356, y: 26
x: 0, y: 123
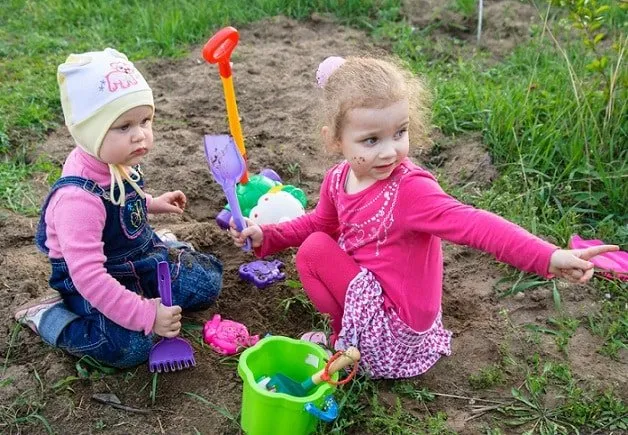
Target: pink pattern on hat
x: 326, y: 69
x: 122, y: 76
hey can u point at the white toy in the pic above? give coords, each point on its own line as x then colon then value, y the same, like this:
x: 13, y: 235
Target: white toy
x: 275, y: 207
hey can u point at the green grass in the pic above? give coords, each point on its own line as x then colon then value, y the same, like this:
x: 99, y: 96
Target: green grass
x: 551, y: 401
x: 487, y: 377
x: 611, y: 323
x: 37, y: 35
x: 25, y: 410
x: 553, y: 125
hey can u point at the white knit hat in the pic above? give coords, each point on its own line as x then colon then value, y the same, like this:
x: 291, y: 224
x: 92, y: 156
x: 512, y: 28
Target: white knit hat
x: 96, y: 88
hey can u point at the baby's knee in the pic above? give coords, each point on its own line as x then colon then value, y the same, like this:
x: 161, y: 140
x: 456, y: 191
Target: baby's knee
x: 136, y: 351
x: 121, y: 350
x: 199, y: 281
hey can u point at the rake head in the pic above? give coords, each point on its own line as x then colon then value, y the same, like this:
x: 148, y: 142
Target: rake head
x: 171, y: 354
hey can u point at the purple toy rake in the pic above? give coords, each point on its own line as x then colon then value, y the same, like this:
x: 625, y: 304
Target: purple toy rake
x: 169, y: 354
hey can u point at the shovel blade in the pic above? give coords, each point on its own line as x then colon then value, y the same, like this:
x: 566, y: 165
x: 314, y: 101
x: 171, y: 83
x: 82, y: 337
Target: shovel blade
x: 225, y: 161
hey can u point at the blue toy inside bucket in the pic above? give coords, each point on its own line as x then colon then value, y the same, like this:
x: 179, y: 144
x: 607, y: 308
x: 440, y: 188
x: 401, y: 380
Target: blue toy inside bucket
x: 268, y: 412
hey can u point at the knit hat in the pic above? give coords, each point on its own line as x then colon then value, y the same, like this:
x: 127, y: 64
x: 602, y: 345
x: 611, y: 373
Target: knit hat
x: 96, y: 88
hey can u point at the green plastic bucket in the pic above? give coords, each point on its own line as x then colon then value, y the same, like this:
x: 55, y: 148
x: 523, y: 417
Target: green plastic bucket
x: 266, y: 412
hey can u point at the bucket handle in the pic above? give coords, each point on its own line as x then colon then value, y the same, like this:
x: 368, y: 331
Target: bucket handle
x: 330, y: 413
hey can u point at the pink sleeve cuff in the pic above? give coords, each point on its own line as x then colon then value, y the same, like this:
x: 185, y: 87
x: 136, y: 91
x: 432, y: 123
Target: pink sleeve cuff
x: 151, y: 316
x: 149, y: 200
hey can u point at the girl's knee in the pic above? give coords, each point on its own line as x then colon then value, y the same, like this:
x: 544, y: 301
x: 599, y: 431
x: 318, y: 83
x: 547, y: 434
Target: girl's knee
x: 315, y: 245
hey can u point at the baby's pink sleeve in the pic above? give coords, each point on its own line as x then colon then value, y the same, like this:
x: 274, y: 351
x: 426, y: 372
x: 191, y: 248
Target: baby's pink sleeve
x: 79, y: 219
x: 149, y: 201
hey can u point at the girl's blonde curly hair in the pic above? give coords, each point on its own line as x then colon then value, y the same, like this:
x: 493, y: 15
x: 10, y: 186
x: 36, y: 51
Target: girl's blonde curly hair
x: 365, y: 82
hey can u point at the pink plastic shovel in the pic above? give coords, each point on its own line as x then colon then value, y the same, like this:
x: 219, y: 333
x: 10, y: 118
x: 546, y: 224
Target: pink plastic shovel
x: 169, y: 354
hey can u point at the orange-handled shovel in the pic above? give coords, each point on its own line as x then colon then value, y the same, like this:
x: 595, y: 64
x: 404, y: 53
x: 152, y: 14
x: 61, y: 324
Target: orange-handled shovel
x: 218, y: 51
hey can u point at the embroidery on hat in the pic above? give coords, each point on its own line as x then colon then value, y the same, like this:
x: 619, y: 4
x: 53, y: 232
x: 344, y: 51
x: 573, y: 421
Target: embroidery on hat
x: 121, y: 77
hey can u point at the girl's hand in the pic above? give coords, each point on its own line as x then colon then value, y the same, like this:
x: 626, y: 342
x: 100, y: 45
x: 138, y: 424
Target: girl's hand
x: 167, y: 321
x: 169, y: 202
x: 252, y: 230
x: 573, y: 264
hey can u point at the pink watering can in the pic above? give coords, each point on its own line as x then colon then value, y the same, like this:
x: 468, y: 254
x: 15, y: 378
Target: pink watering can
x: 226, y: 336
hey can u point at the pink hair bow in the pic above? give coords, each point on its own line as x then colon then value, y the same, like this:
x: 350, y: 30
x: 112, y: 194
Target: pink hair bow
x: 326, y: 69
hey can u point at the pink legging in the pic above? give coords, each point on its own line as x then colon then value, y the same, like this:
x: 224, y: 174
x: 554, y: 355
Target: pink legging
x: 326, y: 271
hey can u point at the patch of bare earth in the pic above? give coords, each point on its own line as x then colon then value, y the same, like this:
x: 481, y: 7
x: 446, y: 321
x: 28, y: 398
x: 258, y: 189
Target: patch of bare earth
x: 274, y: 68
x: 505, y: 23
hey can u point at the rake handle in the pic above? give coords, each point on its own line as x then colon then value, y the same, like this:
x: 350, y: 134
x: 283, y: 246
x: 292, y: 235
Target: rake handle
x: 163, y: 283
x: 350, y: 356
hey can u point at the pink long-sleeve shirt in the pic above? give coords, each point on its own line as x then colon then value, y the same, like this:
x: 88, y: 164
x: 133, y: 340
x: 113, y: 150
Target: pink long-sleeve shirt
x: 75, y: 220
x: 394, y: 229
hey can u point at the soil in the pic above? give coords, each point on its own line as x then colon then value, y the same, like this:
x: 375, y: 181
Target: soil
x: 274, y: 67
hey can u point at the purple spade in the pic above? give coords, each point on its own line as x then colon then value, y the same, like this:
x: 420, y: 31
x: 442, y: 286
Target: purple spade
x: 227, y: 166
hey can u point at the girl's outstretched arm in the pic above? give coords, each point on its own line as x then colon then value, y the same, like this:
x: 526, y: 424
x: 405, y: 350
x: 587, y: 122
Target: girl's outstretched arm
x: 573, y: 264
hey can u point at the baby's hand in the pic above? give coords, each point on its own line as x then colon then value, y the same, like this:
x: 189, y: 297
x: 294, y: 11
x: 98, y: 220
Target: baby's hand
x: 252, y: 230
x: 169, y: 202
x: 573, y: 264
x: 167, y: 321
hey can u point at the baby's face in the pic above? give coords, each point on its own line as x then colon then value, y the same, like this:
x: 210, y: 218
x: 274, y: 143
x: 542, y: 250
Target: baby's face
x: 129, y: 138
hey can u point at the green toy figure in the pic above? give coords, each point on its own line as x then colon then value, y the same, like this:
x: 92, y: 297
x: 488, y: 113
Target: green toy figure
x: 267, y: 181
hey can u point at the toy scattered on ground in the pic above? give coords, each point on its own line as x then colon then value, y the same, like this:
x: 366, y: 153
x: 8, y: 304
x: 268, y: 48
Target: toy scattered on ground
x: 249, y: 190
x: 265, y: 411
x: 610, y: 264
x: 250, y: 194
x: 262, y: 273
x: 169, y: 354
x: 226, y: 336
x: 281, y: 383
x: 276, y: 206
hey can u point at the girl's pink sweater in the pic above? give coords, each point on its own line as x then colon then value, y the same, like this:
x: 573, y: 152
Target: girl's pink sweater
x: 394, y: 229
x: 75, y: 220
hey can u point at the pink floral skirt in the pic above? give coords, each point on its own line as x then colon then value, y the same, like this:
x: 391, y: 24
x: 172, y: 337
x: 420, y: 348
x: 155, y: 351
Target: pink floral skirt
x: 389, y: 347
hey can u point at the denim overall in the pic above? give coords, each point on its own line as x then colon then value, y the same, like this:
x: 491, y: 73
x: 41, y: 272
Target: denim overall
x: 132, y: 251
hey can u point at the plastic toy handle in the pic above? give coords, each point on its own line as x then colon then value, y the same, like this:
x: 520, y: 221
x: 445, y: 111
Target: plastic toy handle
x: 337, y: 362
x: 330, y: 413
x: 240, y: 223
x: 163, y: 283
x: 219, y: 48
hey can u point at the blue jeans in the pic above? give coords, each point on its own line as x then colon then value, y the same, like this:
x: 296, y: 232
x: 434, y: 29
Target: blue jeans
x: 196, y: 283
